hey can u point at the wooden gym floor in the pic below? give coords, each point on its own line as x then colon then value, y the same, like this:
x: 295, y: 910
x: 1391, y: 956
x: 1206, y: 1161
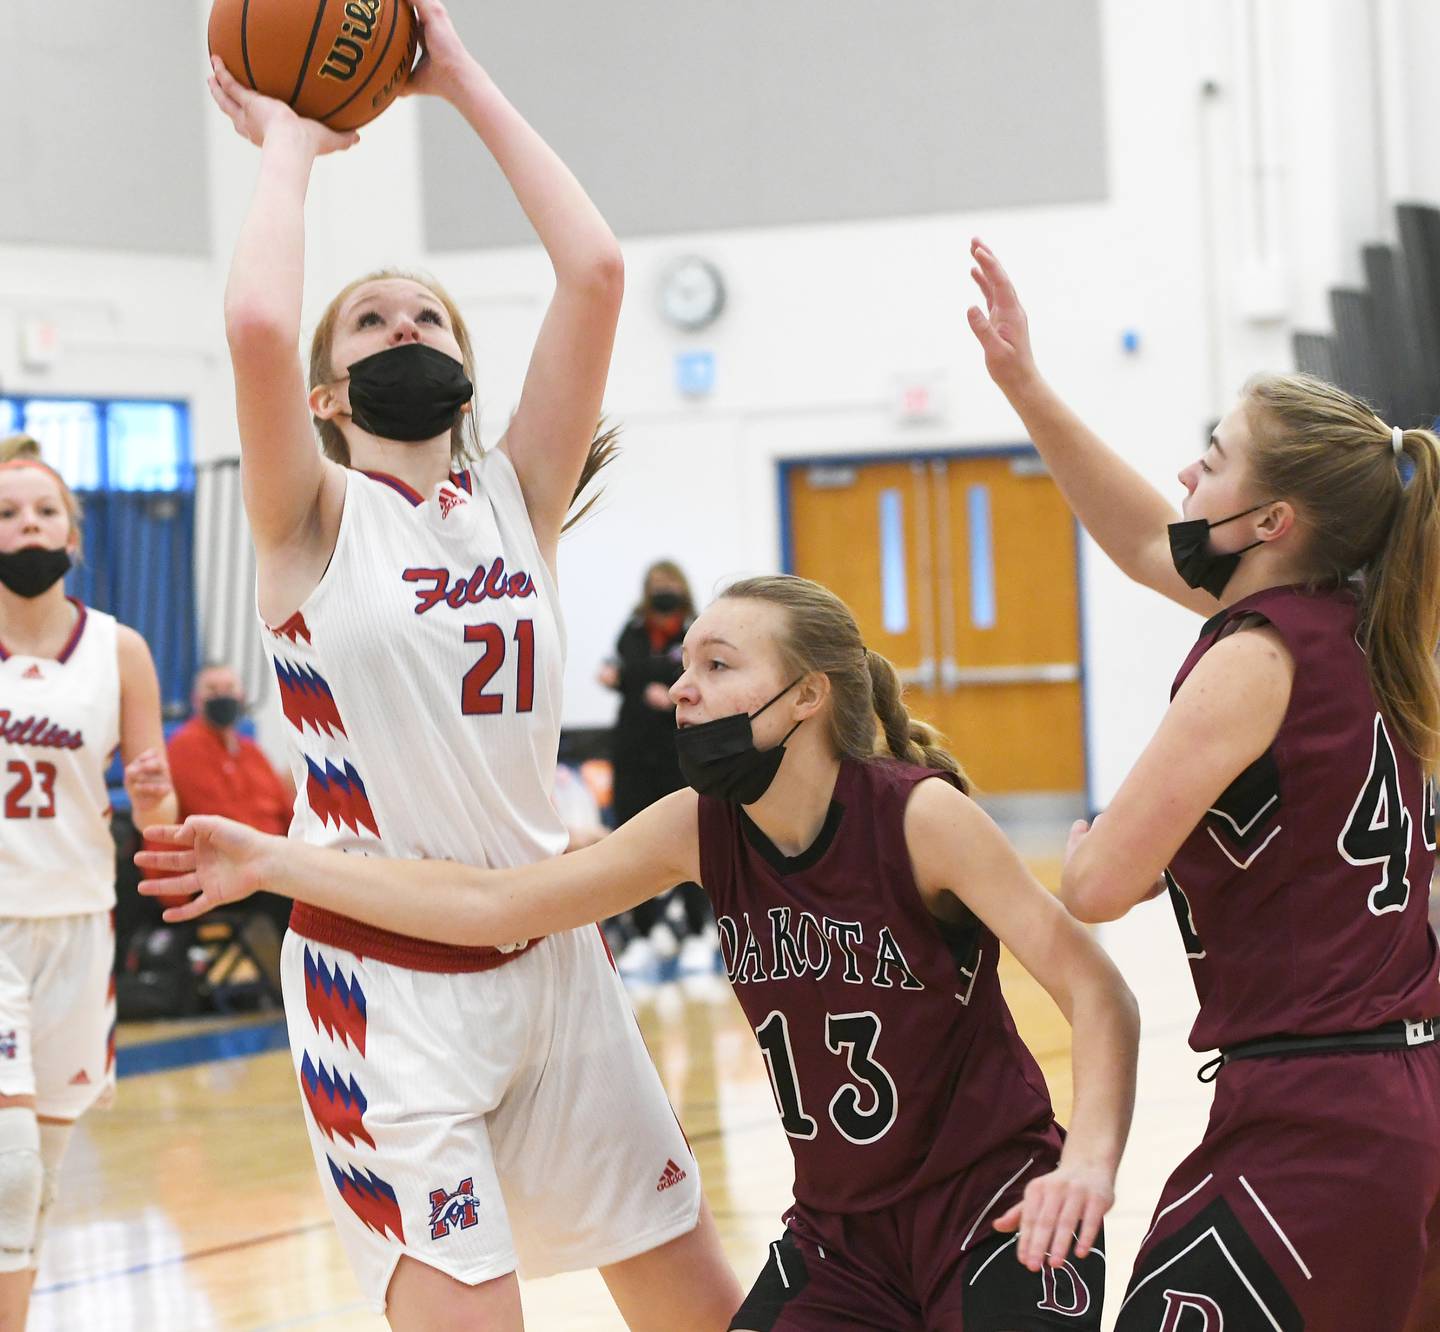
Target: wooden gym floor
x: 193, y: 1204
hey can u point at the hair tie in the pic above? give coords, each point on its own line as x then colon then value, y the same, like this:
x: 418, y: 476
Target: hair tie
x: 1397, y: 440
x: 25, y: 460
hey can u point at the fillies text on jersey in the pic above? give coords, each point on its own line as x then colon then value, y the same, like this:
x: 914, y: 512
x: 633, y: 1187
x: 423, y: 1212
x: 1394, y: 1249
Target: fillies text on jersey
x: 489, y: 582
x: 37, y: 731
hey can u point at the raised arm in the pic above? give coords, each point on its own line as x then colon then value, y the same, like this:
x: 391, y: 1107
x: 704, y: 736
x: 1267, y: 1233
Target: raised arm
x: 1120, y: 509
x: 550, y: 433
x: 223, y: 861
x: 955, y: 847
x: 292, y: 494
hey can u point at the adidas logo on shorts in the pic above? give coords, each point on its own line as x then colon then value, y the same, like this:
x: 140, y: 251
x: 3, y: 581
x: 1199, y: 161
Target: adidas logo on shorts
x: 81, y: 1079
x: 669, y: 1177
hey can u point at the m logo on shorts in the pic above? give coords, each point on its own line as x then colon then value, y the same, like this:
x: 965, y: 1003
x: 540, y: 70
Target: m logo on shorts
x: 9, y: 1043
x: 453, y: 1209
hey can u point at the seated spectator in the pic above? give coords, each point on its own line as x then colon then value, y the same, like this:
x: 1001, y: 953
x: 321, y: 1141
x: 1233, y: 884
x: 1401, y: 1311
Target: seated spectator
x: 217, y: 770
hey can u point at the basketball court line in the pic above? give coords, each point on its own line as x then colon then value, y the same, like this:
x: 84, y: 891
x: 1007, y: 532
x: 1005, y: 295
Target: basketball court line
x: 201, y: 1048
x: 174, y: 1260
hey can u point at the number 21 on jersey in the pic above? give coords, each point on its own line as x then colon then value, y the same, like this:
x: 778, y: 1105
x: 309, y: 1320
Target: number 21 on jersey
x: 474, y: 701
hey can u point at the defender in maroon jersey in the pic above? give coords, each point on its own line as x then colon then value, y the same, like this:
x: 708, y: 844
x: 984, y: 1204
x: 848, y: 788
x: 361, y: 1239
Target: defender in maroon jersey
x: 1288, y: 799
x: 861, y: 902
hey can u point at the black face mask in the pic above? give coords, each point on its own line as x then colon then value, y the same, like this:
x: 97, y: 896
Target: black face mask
x: 33, y: 570
x: 666, y: 603
x: 411, y: 392
x: 1196, y: 563
x: 222, y: 710
x: 719, y: 758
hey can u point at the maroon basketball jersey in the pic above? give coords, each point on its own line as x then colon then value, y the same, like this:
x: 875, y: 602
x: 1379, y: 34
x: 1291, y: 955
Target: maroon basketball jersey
x: 892, y: 1055
x: 1302, y: 893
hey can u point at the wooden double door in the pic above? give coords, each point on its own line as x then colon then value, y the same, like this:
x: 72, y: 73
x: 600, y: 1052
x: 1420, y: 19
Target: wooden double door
x: 962, y: 571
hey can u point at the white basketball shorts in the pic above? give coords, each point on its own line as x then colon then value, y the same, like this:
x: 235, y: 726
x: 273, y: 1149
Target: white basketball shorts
x: 485, y: 1122
x: 57, y: 1012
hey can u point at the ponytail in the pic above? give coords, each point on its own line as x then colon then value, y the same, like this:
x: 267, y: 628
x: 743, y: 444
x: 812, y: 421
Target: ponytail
x: 907, y: 738
x: 604, y: 449
x: 1372, y: 514
x: 1400, y: 607
x: 820, y: 634
x: 15, y: 448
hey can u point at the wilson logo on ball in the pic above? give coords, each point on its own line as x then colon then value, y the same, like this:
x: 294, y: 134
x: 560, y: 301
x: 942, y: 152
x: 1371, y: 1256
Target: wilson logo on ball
x: 349, y: 46
x: 340, y: 63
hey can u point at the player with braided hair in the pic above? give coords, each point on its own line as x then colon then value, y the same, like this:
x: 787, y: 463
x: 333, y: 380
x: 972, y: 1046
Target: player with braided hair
x: 861, y: 898
x: 1288, y: 800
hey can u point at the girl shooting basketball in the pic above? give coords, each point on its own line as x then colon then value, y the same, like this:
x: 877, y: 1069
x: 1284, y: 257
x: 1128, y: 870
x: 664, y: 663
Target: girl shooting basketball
x: 74, y: 685
x: 860, y: 899
x: 408, y: 586
x: 1288, y: 799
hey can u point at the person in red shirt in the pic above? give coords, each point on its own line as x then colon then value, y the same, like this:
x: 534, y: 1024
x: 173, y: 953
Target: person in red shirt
x: 217, y: 770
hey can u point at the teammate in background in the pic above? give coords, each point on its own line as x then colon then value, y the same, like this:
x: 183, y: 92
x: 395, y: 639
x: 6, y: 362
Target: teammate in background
x: 860, y: 899
x: 408, y: 586
x: 74, y: 685
x: 1288, y: 799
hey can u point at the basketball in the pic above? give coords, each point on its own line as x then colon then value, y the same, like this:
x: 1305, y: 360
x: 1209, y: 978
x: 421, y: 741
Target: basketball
x: 342, y: 64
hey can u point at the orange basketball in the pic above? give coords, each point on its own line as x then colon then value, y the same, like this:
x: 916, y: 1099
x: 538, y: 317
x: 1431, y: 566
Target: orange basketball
x: 342, y: 63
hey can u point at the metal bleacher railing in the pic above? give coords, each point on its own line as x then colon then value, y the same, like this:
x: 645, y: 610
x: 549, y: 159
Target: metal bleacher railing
x: 1386, y: 343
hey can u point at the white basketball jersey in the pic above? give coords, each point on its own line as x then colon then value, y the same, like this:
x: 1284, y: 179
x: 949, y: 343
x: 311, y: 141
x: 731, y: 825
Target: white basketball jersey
x: 421, y: 679
x: 59, y: 725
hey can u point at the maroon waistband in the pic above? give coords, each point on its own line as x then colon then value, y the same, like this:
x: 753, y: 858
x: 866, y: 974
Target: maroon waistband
x: 398, y: 950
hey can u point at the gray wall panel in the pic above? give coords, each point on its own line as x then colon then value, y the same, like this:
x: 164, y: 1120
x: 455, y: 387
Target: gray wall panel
x: 102, y: 137
x: 681, y: 115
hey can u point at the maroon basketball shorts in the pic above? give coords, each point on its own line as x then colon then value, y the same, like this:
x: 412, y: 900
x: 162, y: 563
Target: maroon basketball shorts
x: 929, y: 1263
x: 1309, y: 1203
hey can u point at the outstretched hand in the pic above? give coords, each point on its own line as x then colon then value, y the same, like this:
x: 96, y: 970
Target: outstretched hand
x: 444, y: 58
x: 1068, y: 1204
x: 217, y: 860
x: 254, y: 115
x: 1001, y: 328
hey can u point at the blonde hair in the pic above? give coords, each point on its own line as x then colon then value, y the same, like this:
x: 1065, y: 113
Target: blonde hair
x: 24, y: 451
x: 820, y: 634
x: 465, y: 434
x: 1370, y: 516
